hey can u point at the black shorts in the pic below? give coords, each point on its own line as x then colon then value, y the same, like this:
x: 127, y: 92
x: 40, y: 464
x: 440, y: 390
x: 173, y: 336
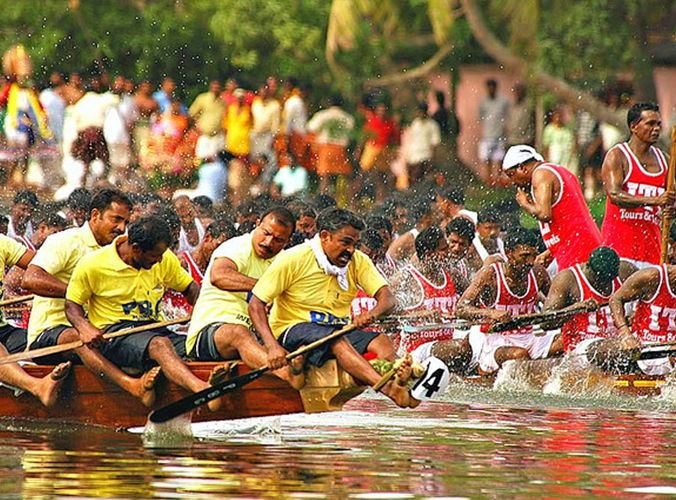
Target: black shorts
x: 131, y: 351
x: 50, y: 338
x: 205, y: 345
x: 303, y: 334
x: 13, y: 338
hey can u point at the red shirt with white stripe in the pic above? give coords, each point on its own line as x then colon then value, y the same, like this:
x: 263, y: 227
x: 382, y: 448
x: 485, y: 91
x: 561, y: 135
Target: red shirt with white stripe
x: 655, y: 318
x: 507, y: 300
x: 634, y: 233
x: 440, y: 298
x: 174, y: 302
x: 571, y: 235
x: 592, y: 324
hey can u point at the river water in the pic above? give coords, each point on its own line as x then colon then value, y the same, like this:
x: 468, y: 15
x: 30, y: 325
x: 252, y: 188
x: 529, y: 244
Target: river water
x: 472, y: 443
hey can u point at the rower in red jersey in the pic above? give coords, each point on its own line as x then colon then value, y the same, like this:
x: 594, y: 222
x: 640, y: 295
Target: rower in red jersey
x: 428, y: 287
x: 655, y: 318
x: 501, y: 291
x: 557, y: 202
x: 634, y: 174
x: 195, y: 262
x: 591, y: 285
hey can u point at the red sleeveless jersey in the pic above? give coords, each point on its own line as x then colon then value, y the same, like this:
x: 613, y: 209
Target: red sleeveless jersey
x: 506, y: 300
x: 634, y: 233
x: 572, y: 234
x: 592, y: 324
x: 442, y: 299
x: 655, y: 319
x: 174, y: 303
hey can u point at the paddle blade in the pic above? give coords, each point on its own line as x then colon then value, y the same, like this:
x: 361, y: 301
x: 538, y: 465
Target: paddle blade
x: 198, y: 399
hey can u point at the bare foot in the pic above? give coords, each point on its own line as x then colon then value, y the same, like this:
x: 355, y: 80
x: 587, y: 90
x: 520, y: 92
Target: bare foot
x: 49, y: 387
x: 148, y: 381
x: 216, y: 377
x: 397, y: 389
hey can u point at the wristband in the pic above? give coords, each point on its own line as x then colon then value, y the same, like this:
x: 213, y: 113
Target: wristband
x: 248, y: 296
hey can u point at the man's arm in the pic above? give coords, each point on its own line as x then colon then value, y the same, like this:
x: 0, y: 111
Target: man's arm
x: 402, y: 247
x: 545, y: 186
x: 40, y: 282
x: 482, y: 287
x: 89, y: 334
x: 385, y: 303
x: 564, y: 296
x: 191, y: 293
x: 613, y: 173
x: 225, y: 276
x: 639, y: 286
x: 257, y: 313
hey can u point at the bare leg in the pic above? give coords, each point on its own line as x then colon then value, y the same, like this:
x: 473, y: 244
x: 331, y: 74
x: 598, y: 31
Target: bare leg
x: 456, y: 353
x: 355, y: 364
x: 143, y: 388
x: 503, y: 354
x: 556, y: 347
x: 382, y: 347
x: 235, y: 341
x: 46, y: 389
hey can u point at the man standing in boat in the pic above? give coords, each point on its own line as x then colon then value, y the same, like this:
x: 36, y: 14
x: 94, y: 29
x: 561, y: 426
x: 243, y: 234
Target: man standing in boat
x: 312, y: 286
x: 634, y: 176
x: 498, y: 293
x: 48, y: 275
x: 13, y: 339
x: 122, y: 286
x: 590, y: 284
x: 221, y: 328
x: 557, y: 202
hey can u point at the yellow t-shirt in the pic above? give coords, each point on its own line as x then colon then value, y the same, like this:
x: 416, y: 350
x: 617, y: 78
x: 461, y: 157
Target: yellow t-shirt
x: 115, y: 291
x: 303, y: 293
x: 58, y: 256
x: 11, y: 252
x: 218, y: 306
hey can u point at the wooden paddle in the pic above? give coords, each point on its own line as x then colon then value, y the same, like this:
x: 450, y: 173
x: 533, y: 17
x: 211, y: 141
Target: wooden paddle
x: 198, y: 399
x: 16, y: 300
x: 666, y: 219
x: 48, y: 351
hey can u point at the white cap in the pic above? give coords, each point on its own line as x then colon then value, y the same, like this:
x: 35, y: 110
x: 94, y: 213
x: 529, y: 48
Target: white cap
x: 516, y: 155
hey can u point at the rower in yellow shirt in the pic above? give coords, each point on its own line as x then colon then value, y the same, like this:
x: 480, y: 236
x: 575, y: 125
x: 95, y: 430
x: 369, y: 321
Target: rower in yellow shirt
x: 312, y: 287
x: 122, y: 285
x: 220, y: 327
x: 13, y: 339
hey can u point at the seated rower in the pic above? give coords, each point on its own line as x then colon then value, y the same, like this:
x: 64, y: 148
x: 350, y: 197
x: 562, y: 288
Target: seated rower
x: 654, y: 289
x: 460, y: 233
x: 13, y: 339
x: 221, y: 328
x: 429, y: 286
x: 122, y: 286
x: 370, y: 244
x: 312, y: 286
x: 498, y: 293
x: 591, y: 334
x: 48, y: 275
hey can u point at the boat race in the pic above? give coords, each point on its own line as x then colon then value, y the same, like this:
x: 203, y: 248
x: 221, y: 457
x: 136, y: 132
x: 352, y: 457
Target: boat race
x: 343, y: 249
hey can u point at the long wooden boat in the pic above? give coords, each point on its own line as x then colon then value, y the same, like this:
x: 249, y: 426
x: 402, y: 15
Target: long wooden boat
x: 87, y: 399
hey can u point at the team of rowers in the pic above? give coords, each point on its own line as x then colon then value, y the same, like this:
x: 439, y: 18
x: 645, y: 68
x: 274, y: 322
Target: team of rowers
x: 256, y: 299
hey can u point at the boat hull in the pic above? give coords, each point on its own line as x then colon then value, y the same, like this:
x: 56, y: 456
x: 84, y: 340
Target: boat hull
x: 87, y: 399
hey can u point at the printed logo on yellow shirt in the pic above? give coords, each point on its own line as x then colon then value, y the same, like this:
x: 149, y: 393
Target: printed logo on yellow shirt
x: 327, y: 319
x: 144, y: 307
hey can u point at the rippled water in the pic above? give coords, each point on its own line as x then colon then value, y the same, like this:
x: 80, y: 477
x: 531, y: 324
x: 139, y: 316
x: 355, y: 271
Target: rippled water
x: 474, y: 443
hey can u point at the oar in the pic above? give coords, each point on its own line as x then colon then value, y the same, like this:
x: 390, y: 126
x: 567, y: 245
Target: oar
x: 535, y: 319
x: 666, y: 219
x: 48, y: 351
x: 654, y: 352
x: 193, y: 401
x: 16, y: 300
